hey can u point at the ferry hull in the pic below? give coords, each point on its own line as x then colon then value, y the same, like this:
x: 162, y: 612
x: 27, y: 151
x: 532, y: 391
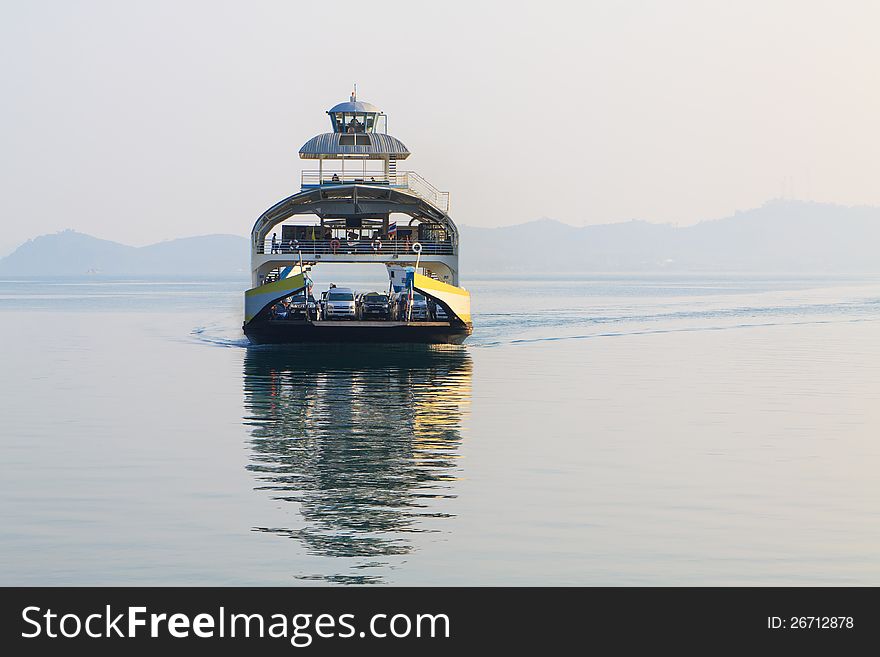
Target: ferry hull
x: 291, y: 332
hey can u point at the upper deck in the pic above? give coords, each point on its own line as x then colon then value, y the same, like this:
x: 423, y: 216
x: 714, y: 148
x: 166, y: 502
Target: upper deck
x: 404, y: 180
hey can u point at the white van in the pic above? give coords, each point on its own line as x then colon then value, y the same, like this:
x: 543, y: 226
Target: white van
x: 340, y: 304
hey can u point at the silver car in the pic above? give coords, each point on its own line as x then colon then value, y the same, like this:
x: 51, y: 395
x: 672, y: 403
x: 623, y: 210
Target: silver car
x: 419, y: 307
x: 340, y: 304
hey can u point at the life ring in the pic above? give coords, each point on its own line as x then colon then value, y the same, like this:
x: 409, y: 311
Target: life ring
x: 334, y: 245
x: 377, y: 246
x: 416, y: 247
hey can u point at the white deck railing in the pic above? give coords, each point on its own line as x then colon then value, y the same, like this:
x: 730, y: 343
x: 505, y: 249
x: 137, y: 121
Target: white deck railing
x: 309, y: 247
x: 423, y: 189
x: 409, y: 180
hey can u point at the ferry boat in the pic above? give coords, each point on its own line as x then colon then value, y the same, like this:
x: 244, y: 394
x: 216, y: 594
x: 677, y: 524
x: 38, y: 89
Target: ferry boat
x: 357, y: 207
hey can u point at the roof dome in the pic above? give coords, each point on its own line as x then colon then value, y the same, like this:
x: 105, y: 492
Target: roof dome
x: 354, y: 105
x: 372, y: 146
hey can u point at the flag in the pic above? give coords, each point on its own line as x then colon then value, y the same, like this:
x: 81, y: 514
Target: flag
x: 392, y: 230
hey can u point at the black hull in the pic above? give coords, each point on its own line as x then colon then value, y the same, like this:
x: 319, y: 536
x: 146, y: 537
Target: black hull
x: 297, y: 331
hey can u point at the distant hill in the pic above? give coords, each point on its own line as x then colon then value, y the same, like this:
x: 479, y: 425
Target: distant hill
x: 69, y: 253
x: 780, y: 236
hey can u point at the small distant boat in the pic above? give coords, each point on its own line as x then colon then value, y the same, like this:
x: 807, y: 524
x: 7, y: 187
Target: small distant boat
x: 358, y: 208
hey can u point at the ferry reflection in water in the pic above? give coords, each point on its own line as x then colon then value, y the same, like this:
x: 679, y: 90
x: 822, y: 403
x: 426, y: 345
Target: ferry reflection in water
x: 364, y: 440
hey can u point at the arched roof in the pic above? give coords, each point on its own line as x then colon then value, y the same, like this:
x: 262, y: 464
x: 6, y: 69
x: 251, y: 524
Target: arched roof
x: 382, y: 199
x: 354, y: 106
x: 332, y: 144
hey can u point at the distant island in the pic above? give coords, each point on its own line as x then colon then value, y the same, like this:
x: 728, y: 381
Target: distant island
x: 70, y: 253
x: 780, y: 236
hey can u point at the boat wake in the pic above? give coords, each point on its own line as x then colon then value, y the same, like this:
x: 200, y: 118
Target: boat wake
x: 212, y: 336
x: 657, y: 331
x: 506, y: 329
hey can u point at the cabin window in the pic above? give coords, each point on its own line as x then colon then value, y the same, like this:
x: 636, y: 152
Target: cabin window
x: 355, y: 140
x: 354, y: 122
x: 432, y: 233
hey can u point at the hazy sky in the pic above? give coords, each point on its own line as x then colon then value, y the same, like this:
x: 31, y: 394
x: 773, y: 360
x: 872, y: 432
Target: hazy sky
x: 141, y: 121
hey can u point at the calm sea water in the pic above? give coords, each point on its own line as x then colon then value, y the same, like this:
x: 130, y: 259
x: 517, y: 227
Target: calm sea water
x: 594, y: 430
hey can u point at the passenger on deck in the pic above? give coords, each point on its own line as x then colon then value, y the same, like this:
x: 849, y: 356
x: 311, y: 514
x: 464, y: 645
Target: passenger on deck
x: 335, y: 178
x: 355, y: 126
x: 274, y: 243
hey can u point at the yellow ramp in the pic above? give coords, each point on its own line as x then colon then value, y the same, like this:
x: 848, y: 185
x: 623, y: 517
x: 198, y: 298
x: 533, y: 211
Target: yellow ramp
x: 457, y: 298
x: 258, y: 298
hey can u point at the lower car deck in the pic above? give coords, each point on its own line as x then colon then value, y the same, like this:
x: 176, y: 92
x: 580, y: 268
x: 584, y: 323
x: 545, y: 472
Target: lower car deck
x: 286, y: 331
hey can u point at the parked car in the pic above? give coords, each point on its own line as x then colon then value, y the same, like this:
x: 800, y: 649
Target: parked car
x: 340, y: 304
x: 374, y: 305
x: 300, y: 308
x: 419, y: 310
